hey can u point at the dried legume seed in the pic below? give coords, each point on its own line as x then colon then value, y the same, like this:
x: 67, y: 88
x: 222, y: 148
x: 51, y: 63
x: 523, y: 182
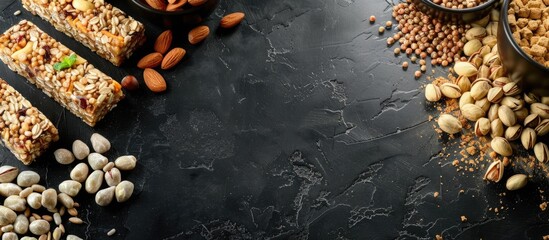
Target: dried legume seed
x: 63, y: 156
x: 97, y: 161
x: 21, y: 224
x: 70, y: 187
x: 39, y: 227
x: 27, y: 178
x: 80, y: 150
x: 80, y: 172
x: 94, y: 181
x: 99, y: 143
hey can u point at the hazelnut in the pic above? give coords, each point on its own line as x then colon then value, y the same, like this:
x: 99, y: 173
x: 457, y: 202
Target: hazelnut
x: 130, y: 82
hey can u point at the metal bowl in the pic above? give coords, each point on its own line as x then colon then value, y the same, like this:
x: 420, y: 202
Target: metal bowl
x: 189, y: 15
x: 458, y: 16
x: 533, y: 76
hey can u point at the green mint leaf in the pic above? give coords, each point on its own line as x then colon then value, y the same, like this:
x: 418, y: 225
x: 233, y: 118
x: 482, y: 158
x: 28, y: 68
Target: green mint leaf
x: 70, y: 60
x: 60, y: 66
x: 65, y: 63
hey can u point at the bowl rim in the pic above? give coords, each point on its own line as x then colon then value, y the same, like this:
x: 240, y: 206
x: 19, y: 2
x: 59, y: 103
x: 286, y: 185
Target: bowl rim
x: 509, y: 35
x: 480, y: 7
x: 146, y: 7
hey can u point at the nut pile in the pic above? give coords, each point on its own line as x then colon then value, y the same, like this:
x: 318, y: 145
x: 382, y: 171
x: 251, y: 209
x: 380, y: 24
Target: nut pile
x: 529, y: 22
x: 166, y: 59
x: 26, y: 199
x: 459, y: 4
x: 421, y: 36
x: 101, y: 169
x: 496, y: 105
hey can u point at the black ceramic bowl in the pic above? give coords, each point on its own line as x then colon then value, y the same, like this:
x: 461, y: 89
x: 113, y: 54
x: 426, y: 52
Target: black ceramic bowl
x: 188, y: 16
x: 458, y: 16
x: 533, y: 76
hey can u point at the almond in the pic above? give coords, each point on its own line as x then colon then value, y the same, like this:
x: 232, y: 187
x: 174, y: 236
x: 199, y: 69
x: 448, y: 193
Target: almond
x: 198, y: 34
x: 157, y: 4
x: 151, y: 60
x: 172, y: 58
x: 175, y: 5
x: 154, y: 81
x: 231, y: 20
x: 163, y: 42
x: 197, y: 2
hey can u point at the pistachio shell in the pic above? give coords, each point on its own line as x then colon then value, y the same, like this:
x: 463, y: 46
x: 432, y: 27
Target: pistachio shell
x: 465, y: 99
x: 495, y: 94
x: 528, y: 138
x: 8, y: 173
x: 541, y: 109
x: 482, y: 127
x: 480, y: 89
x: 513, y: 103
x: 532, y: 121
x: 432, y: 93
x: 472, y: 112
x: 541, y: 151
x: 475, y: 33
x: 513, y: 133
x: 471, y: 46
x: 449, y: 124
x: 450, y: 90
x: 465, y: 69
x: 507, y: 116
x: 521, y: 114
x: 531, y: 98
x: 501, y: 81
x: 484, y: 104
x: 493, y: 112
x: 464, y: 83
x: 511, y: 89
x: 542, y: 128
x: 516, y: 182
x: 501, y: 146
x: 494, y: 172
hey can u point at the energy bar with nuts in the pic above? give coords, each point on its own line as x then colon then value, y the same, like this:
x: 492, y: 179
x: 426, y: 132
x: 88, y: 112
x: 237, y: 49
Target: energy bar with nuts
x: 59, y: 72
x: 104, y: 29
x: 26, y: 132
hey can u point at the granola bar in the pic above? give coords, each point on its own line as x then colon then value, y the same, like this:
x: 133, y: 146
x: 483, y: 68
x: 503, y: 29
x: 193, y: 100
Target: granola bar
x: 26, y: 132
x: 101, y: 27
x: 84, y: 90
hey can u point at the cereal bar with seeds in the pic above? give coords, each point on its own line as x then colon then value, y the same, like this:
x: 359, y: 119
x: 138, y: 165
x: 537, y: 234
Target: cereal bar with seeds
x: 59, y: 72
x: 104, y: 29
x: 26, y: 132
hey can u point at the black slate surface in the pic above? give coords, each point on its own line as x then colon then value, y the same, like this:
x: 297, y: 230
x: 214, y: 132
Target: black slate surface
x: 299, y: 124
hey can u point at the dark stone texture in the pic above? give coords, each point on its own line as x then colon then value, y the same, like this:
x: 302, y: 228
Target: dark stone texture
x: 298, y: 124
